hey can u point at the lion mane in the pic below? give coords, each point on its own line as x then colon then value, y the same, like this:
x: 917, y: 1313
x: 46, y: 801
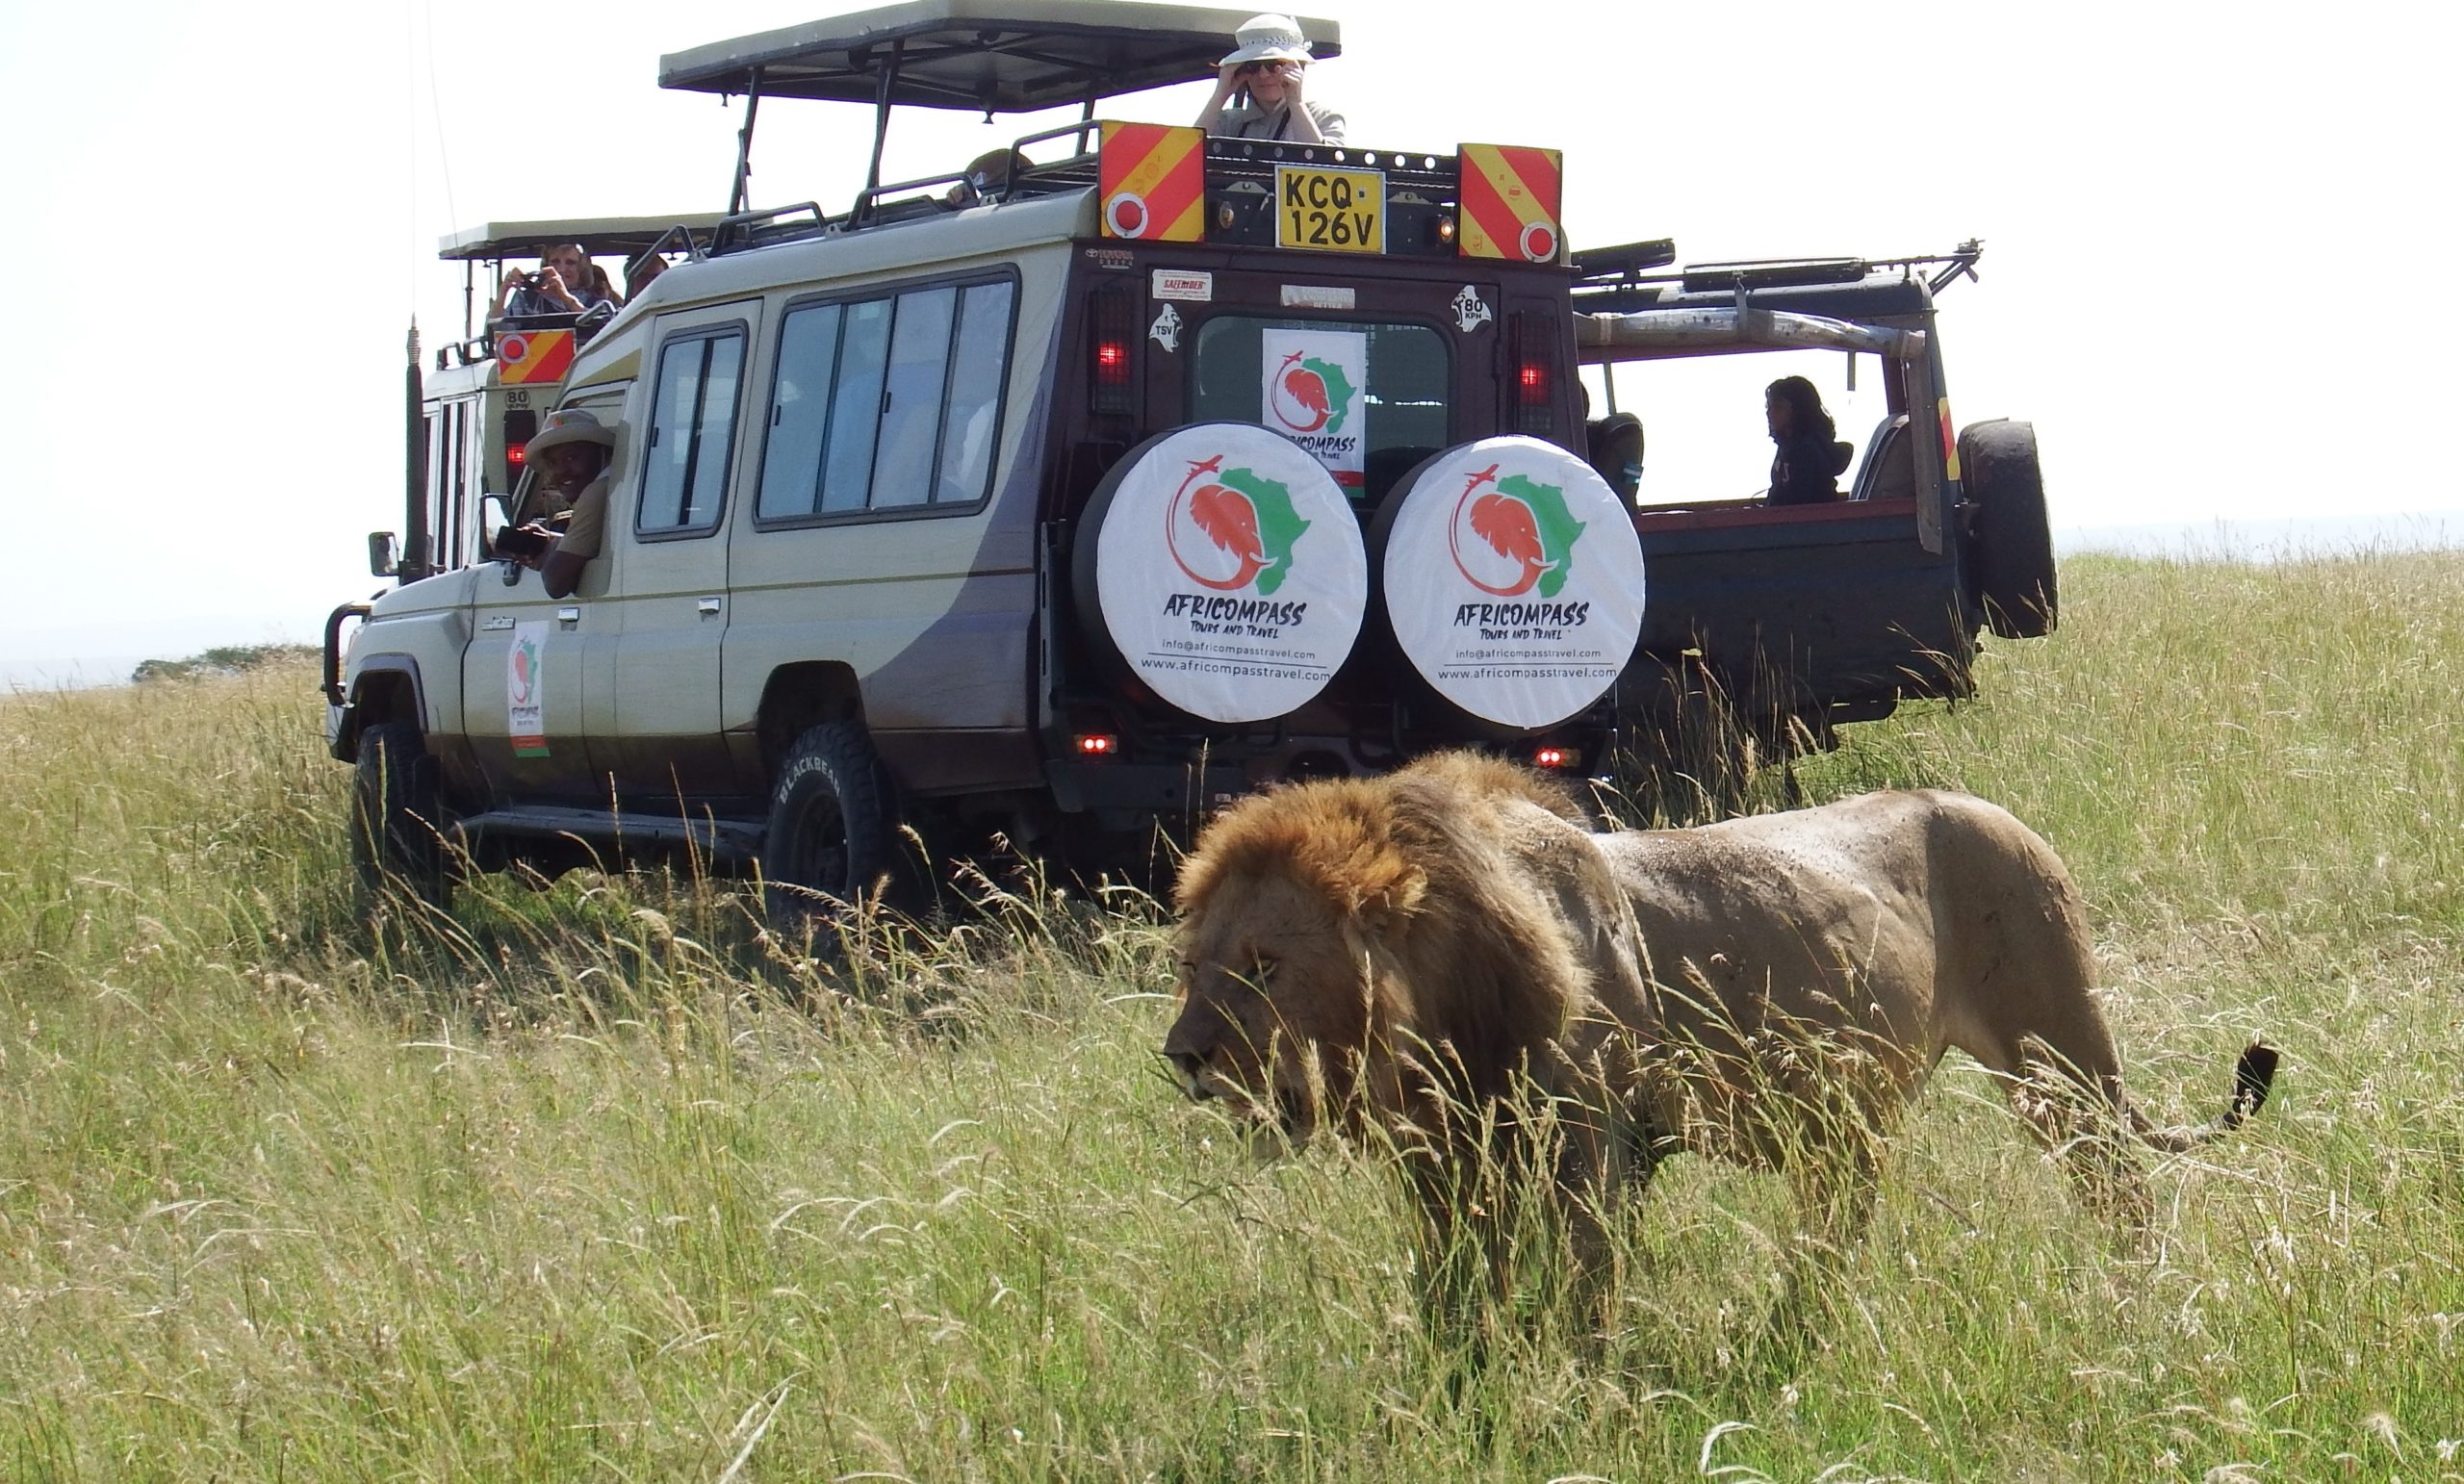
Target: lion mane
x: 1475, y: 965
x: 1447, y: 958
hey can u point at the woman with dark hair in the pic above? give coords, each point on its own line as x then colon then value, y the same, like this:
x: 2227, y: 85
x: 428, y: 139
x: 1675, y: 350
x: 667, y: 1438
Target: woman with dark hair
x: 1805, y: 470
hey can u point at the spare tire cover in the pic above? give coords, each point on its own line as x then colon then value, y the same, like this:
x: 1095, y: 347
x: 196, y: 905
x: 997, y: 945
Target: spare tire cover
x: 1228, y: 569
x: 1513, y: 579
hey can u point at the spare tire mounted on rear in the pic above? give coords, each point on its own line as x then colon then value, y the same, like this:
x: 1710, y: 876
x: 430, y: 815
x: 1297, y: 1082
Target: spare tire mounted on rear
x: 1221, y: 566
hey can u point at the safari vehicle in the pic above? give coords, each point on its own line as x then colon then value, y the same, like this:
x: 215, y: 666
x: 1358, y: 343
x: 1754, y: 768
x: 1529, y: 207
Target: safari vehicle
x: 1062, y: 499
x: 1779, y: 623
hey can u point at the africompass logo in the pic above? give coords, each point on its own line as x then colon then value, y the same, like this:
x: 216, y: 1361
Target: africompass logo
x: 1310, y: 395
x: 526, y: 672
x: 1522, y: 535
x: 1247, y: 518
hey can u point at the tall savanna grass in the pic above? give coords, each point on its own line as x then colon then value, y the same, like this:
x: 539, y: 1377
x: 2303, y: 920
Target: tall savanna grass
x: 598, y: 1181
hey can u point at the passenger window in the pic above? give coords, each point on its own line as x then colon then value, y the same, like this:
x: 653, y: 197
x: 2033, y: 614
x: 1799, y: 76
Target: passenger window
x: 799, y: 412
x: 887, y: 403
x: 684, y: 472
x: 919, y: 366
x: 978, y: 367
x: 856, y: 407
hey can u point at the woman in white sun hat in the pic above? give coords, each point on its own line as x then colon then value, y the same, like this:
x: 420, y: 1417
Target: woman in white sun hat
x: 1257, y: 94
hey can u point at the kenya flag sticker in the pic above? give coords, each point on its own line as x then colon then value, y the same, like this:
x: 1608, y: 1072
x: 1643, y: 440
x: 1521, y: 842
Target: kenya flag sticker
x: 1230, y: 572
x: 1513, y: 580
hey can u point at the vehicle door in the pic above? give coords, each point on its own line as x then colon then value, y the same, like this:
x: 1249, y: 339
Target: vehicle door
x: 668, y: 539
x: 528, y: 673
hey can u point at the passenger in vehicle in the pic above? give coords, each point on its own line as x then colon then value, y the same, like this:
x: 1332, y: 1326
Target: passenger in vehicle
x: 571, y: 456
x: 984, y: 174
x: 1806, y: 470
x: 567, y: 283
x: 1258, y: 92
x: 642, y: 273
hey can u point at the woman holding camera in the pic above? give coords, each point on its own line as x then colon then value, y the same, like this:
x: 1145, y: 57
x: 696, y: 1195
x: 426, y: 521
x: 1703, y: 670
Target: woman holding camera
x: 567, y: 283
x: 1258, y: 92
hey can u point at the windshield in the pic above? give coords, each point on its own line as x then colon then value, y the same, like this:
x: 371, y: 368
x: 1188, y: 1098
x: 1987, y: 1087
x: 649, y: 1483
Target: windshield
x: 1369, y: 400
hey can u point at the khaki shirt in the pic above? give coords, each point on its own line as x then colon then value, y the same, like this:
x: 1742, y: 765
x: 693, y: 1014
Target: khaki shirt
x: 1249, y: 122
x: 587, y: 528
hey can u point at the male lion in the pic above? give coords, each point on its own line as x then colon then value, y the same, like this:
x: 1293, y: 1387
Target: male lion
x: 1447, y: 959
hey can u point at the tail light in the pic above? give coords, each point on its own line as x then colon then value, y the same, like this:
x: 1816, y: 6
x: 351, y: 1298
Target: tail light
x: 1097, y: 745
x: 1552, y: 757
x: 1113, y: 330
x: 520, y: 426
x: 1530, y: 346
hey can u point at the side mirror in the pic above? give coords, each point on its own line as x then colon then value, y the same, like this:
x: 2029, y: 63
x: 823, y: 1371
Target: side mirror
x: 384, y: 557
x: 496, y: 512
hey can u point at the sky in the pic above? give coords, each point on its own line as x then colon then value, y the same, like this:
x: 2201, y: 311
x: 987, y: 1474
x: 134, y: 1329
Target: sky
x: 2203, y: 228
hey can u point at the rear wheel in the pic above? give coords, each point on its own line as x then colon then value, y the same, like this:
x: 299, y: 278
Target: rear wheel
x: 2013, y: 544
x: 397, y: 839
x: 830, y: 841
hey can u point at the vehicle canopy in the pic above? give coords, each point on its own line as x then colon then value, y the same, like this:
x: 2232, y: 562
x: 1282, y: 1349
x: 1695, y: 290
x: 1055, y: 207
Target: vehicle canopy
x: 494, y: 242
x: 996, y: 56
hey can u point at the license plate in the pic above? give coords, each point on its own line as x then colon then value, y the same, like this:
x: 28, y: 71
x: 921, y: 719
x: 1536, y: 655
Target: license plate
x: 1329, y: 211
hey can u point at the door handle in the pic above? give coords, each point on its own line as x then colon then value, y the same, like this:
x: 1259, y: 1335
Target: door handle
x: 568, y: 617
x: 707, y: 608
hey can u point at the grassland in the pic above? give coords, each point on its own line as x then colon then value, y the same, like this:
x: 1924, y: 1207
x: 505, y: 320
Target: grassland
x: 593, y: 1185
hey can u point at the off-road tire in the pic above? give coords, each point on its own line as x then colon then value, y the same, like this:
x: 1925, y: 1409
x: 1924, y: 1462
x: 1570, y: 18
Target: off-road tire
x: 397, y: 844
x: 2011, y: 550
x: 832, y: 839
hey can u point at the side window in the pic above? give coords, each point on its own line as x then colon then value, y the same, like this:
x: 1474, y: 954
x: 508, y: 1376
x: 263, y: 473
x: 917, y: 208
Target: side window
x: 979, y: 368
x: 887, y: 403
x: 856, y: 407
x: 919, y: 369
x: 799, y: 412
x: 692, y: 432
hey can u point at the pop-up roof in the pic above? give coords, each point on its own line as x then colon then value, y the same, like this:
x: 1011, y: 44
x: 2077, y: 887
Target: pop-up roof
x: 996, y: 56
x: 631, y: 236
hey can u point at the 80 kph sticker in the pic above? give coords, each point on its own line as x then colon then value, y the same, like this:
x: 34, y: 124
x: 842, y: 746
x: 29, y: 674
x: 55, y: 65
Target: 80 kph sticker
x: 1329, y: 211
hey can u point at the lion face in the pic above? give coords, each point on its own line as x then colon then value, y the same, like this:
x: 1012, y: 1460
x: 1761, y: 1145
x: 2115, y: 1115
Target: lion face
x: 1276, y: 996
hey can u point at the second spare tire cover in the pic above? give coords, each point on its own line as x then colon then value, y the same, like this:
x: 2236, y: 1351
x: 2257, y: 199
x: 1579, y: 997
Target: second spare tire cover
x: 1513, y: 579
x: 1224, y: 565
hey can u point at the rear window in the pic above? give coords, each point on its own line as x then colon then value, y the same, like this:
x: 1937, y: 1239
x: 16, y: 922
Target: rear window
x: 1368, y: 434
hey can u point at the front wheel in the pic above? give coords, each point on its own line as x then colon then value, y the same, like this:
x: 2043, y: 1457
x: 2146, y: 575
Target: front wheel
x: 831, y: 840
x: 396, y: 838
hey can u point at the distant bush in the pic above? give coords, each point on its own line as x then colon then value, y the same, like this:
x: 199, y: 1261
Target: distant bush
x: 223, y: 659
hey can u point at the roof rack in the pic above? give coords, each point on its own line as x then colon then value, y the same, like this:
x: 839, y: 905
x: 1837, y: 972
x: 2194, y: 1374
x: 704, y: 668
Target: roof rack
x: 1606, y: 275
x: 1602, y: 266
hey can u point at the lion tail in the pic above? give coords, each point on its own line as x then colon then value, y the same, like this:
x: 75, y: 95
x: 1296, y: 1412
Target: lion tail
x: 2252, y: 1078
